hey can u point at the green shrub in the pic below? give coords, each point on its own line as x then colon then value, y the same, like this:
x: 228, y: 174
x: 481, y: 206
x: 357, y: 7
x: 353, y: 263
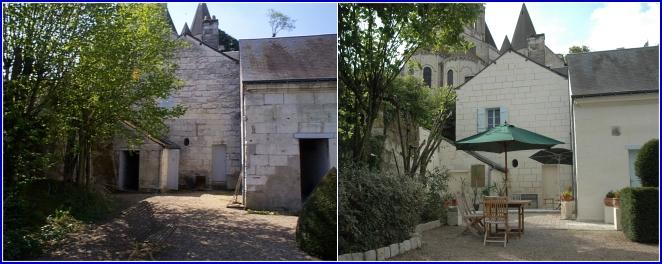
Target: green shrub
x: 647, y: 165
x: 376, y: 209
x: 316, y: 231
x: 640, y: 219
x: 436, y: 184
x: 33, y: 213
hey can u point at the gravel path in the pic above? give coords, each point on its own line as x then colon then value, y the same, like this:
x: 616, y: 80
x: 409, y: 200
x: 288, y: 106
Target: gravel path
x: 207, y: 230
x: 444, y: 244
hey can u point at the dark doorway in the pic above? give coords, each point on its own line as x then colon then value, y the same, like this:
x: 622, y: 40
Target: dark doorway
x: 129, y: 170
x: 314, y: 160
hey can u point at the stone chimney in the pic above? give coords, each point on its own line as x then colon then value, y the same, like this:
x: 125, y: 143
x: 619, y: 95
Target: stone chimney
x: 210, y: 31
x: 536, y: 48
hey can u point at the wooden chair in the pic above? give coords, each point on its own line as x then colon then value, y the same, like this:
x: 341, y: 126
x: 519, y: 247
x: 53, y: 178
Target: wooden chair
x: 472, y: 221
x: 496, y: 213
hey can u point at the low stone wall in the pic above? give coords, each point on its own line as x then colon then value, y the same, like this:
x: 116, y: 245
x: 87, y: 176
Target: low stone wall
x: 393, y: 249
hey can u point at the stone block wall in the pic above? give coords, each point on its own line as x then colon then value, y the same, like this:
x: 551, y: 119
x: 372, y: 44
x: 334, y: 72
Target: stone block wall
x: 211, y: 95
x: 274, y: 114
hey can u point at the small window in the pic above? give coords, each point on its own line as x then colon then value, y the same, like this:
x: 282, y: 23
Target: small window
x: 186, y: 142
x: 493, y: 118
x: 427, y: 76
x: 411, y: 71
x: 449, y: 78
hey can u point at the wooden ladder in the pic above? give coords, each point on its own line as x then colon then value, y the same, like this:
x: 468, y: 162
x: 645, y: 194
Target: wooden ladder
x: 234, y: 203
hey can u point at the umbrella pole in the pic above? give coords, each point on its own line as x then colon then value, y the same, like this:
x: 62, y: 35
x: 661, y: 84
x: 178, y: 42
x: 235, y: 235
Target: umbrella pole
x: 558, y: 176
x: 505, y: 145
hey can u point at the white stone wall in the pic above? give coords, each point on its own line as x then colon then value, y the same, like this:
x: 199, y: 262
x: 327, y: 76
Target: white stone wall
x: 211, y: 95
x: 537, y: 100
x: 274, y: 114
x: 602, y: 157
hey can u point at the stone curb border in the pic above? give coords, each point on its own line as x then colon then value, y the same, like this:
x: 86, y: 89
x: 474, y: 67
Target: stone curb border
x: 393, y: 249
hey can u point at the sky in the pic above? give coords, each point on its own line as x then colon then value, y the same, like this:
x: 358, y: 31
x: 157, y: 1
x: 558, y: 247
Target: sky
x: 600, y: 26
x: 250, y: 21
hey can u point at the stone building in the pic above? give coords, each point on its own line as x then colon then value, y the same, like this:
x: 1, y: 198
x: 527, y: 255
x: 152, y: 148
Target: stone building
x: 615, y: 110
x: 443, y: 68
x: 523, y: 82
x: 284, y: 90
x: 290, y: 125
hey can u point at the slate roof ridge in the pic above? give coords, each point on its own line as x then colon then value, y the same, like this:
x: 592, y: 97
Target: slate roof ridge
x: 318, y: 35
x: 203, y: 43
x: 161, y: 141
x: 520, y: 54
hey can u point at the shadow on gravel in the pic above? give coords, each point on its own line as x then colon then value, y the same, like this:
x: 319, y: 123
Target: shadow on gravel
x: 211, y: 233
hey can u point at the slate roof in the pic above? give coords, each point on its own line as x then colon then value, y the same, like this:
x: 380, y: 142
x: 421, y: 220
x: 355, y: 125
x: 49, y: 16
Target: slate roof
x: 612, y: 72
x: 186, y: 30
x: 557, y: 71
x: 523, y: 30
x: 196, y: 26
x: 165, y: 143
x: 172, y: 25
x: 488, y: 37
x: 505, y: 46
x: 289, y: 58
x: 233, y: 54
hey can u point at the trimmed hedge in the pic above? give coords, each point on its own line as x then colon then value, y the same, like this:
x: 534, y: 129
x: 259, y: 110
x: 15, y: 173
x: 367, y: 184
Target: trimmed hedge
x: 376, y: 209
x: 640, y: 214
x: 647, y: 165
x: 316, y: 230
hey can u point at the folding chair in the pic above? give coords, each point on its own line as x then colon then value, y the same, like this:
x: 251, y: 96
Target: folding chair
x: 472, y: 221
x: 496, y: 213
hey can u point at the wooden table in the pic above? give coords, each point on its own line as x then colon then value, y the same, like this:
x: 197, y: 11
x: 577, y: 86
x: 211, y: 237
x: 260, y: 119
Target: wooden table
x: 520, y: 214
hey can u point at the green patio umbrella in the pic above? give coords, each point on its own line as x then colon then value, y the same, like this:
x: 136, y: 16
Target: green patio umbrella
x: 504, y: 138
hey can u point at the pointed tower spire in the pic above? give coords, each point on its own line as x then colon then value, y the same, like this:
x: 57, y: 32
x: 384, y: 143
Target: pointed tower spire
x: 170, y: 20
x: 505, y: 45
x: 523, y: 30
x: 488, y: 37
x: 186, y: 30
x: 200, y: 14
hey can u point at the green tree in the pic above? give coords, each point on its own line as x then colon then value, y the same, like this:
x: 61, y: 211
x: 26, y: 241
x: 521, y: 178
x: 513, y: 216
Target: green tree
x: 647, y: 165
x: 74, y: 72
x: 576, y: 49
x: 411, y: 103
x: 279, y: 21
x: 374, y: 43
x: 229, y: 43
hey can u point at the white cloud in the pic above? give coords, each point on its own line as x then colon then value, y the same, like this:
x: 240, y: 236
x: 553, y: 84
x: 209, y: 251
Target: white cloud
x: 624, y: 25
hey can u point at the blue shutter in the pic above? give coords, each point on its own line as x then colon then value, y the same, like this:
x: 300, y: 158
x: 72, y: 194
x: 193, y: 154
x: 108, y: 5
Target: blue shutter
x: 503, y: 114
x: 480, y: 120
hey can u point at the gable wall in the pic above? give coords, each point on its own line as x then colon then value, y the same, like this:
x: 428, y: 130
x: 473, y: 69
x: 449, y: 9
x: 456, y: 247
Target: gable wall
x: 211, y: 95
x: 537, y: 100
x: 274, y: 114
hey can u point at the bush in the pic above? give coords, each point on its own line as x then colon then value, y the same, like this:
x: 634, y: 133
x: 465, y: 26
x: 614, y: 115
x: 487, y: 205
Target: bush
x: 647, y: 166
x: 640, y: 219
x: 34, y: 212
x: 376, y: 209
x: 316, y: 231
x: 436, y: 184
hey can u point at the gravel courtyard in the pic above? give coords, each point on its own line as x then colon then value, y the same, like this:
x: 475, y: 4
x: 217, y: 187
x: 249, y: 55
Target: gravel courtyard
x: 537, y: 244
x: 206, y: 230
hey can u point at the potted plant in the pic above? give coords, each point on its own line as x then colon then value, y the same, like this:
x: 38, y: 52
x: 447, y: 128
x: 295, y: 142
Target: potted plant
x: 609, y: 198
x: 567, y: 194
x: 475, y: 193
x: 617, y: 199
